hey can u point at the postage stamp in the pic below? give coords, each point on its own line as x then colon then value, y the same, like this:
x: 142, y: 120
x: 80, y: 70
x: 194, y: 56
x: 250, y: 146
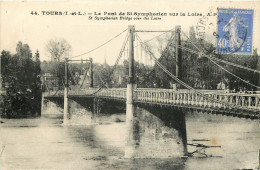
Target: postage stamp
x: 235, y: 31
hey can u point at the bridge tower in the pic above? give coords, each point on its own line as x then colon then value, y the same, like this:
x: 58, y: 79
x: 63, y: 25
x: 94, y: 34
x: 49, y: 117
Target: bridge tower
x: 66, y: 114
x: 178, y: 52
x: 130, y: 137
x: 66, y: 88
x: 91, y: 73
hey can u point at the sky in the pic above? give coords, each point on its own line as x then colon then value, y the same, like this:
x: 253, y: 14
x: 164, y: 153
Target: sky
x: 18, y: 24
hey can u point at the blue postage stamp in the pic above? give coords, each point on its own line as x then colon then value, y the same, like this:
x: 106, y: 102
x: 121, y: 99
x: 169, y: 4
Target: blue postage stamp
x: 235, y: 31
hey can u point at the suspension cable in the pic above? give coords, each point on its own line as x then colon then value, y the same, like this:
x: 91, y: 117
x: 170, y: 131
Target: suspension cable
x: 220, y: 60
x: 189, y: 87
x: 119, y: 56
x: 117, y: 60
x: 233, y: 74
x: 233, y: 64
x: 161, y: 57
x: 85, y: 75
x: 99, y: 45
x: 164, y: 32
x: 104, y: 84
x: 209, y: 58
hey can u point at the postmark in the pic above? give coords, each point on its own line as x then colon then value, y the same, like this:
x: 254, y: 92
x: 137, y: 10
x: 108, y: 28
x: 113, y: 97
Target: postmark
x: 206, y: 31
x: 234, y: 31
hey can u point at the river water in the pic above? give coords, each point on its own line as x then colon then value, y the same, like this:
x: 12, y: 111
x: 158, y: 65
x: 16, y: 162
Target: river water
x: 214, y: 142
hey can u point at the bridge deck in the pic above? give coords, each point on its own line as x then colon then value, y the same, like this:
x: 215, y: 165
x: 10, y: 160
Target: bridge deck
x: 235, y: 103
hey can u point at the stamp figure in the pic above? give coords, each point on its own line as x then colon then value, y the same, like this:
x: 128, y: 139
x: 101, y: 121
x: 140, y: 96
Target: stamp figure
x: 235, y: 31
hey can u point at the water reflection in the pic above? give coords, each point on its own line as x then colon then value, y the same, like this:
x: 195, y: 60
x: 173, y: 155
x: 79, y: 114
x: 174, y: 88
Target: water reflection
x: 45, y: 144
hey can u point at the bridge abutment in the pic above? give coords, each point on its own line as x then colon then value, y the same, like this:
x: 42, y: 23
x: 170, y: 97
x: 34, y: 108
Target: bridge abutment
x: 80, y: 114
x: 153, y: 131
x: 51, y: 107
x: 156, y: 133
x: 80, y: 111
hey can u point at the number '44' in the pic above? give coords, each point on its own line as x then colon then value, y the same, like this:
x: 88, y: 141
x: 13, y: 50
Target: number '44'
x: 34, y: 13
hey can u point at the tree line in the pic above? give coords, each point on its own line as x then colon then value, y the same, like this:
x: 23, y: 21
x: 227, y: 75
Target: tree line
x: 21, y: 83
x: 196, y: 70
x: 199, y: 72
x: 22, y: 71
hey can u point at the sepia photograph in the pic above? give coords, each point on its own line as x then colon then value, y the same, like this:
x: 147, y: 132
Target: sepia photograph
x: 169, y: 85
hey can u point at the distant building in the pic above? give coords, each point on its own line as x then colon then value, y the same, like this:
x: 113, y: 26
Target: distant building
x: 49, y: 82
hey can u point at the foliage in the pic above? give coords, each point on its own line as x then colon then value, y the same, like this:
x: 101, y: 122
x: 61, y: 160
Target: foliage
x: 199, y: 72
x: 250, y: 61
x: 55, y: 71
x: 21, y: 83
x: 103, y: 74
x: 196, y: 70
x: 58, y: 49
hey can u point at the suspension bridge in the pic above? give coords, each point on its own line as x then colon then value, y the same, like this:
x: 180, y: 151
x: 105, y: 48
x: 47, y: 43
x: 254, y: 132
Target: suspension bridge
x: 185, y: 90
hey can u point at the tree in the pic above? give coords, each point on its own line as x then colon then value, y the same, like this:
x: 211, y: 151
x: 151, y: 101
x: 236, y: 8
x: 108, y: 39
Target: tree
x: 196, y: 72
x: 21, y: 82
x: 58, y: 49
x: 36, y: 84
x: 249, y: 61
x: 7, y: 78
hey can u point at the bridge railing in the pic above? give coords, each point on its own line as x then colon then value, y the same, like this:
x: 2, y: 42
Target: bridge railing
x: 192, y: 98
x: 180, y: 97
x: 119, y: 93
x: 82, y: 92
x: 53, y: 93
x: 218, y: 99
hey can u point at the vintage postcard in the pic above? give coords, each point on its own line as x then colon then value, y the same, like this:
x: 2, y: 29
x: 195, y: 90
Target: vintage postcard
x: 129, y: 85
